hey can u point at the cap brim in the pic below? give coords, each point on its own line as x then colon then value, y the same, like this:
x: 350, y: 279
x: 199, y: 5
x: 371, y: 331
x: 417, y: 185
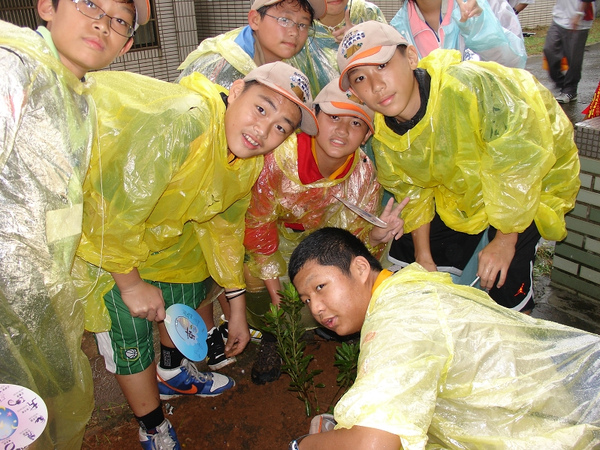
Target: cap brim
x: 336, y: 109
x: 142, y: 11
x: 319, y: 7
x: 364, y: 59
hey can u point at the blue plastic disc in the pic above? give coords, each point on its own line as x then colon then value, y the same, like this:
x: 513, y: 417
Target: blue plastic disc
x: 187, y: 331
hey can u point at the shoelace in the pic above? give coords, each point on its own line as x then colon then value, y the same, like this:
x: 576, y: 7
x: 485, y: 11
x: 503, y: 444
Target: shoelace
x: 163, y: 441
x: 195, y: 374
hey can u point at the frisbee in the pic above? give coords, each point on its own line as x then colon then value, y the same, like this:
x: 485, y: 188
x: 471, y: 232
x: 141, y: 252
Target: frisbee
x: 23, y: 416
x: 187, y: 331
x: 362, y: 213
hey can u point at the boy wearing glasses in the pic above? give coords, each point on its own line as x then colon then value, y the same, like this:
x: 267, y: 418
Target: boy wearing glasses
x: 47, y: 128
x: 276, y: 30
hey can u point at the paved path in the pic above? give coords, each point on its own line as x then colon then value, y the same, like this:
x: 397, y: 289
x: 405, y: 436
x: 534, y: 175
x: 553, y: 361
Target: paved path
x: 587, y: 85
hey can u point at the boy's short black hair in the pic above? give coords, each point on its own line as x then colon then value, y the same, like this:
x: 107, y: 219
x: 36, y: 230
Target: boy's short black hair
x: 304, y: 5
x: 330, y: 247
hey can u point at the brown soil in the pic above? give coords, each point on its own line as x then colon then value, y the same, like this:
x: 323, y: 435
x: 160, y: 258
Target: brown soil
x: 247, y: 417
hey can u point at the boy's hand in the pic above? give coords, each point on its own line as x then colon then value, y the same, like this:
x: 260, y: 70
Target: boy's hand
x: 144, y: 300
x: 338, y: 35
x: 395, y: 225
x: 238, y: 334
x: 469, y: 9
x: 496, y: 257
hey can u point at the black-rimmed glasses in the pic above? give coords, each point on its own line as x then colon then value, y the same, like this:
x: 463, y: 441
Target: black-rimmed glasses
x: 91, y: 10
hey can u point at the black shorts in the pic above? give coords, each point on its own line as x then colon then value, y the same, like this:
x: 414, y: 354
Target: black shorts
x: 452, y: 250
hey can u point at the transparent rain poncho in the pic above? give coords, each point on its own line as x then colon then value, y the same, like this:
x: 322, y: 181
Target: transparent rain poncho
x: 280, y: 198
x: 220, y: 59
x: 494, y: 35
x: 163, y: 197
x: 444, y: 366
x: 494, y: 148
x: 318, y: 57
x: 47, y: 122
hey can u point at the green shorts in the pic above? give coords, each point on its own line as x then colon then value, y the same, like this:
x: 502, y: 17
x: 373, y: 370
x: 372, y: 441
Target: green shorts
x: 128, y: 347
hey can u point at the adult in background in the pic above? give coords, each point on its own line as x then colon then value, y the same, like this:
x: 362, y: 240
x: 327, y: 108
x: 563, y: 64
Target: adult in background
x: 571, y: 23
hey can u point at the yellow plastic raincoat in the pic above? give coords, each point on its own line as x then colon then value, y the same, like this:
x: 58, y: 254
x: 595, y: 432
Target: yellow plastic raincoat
x: 494, y: 148
x: 279, y: 197
x: 318, y: 58
x: 220, y: 59
x: 162, y: 197
x: 444, y: 366
x: 47, y: 122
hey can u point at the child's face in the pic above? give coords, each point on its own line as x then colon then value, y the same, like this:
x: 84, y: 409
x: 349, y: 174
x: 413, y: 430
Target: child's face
x: 258, y: 119
x: 336, y: 300
x: 336, y: 7
x: 278, y: 42
x: 340, y: 136
x: 86, y: 44
x: 389, y: 88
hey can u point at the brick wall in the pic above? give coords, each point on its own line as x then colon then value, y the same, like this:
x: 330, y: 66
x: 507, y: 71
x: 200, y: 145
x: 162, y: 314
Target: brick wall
x: 577, y: 258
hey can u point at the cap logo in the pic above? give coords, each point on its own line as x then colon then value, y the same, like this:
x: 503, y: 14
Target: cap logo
x: 350, y: 44
x: 354, y: 98
x: 299, y: 86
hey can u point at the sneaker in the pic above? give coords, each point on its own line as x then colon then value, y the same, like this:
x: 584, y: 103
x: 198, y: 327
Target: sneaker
x: 255, y: 335
x: 188, y: 380
x: 159, y: 438
x: 216, y: 358
x: 267, y: 367
x: 563, y: 97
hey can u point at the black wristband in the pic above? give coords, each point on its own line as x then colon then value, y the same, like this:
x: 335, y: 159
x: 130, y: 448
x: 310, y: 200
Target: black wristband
x: 230, y: 295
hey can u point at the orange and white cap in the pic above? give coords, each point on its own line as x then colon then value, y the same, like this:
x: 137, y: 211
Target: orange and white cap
x: 335, y: 102
x: 142, y: 12
x: 365, y: 44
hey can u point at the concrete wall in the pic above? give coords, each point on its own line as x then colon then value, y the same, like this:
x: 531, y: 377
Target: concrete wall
x: 537, y: 15
x: 577, y: 258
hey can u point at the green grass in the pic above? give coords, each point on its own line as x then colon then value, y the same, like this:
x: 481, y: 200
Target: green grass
x: 535, y: 44
x: 544, y: 259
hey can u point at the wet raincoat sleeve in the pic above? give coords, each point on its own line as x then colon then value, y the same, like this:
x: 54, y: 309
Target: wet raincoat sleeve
x: 510, y: 160
x: 494, y: 35
x: 443, y: 366
x: 221, y: 59
x: 318, y: 57
x: 47, y: 126
x: 222, y: 238
x: 279, y: 197
x: 161, y: 177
